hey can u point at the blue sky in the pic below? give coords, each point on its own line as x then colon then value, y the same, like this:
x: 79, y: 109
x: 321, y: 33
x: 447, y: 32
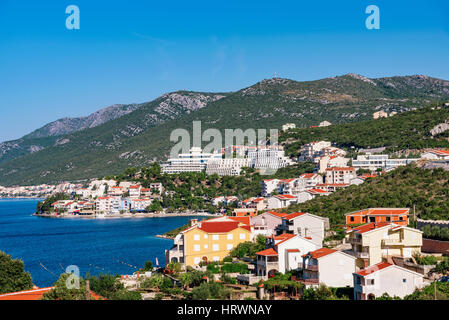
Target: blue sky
x: 134, y: 51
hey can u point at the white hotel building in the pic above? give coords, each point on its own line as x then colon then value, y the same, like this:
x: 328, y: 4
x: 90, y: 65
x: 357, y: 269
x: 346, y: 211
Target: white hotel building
x: 194, y: 161
x: 379, y: 161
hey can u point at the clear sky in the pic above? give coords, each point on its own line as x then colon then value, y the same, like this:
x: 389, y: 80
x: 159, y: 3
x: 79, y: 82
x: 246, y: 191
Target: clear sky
x: 133, y: 51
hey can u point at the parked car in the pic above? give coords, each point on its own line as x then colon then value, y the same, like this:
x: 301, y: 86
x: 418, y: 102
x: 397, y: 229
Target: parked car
x: 444, y: 279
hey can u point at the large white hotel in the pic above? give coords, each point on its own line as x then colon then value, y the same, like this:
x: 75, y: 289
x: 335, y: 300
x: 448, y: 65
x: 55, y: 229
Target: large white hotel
x: 266, y: 157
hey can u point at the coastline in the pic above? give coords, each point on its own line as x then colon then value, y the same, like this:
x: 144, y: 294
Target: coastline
x: 126, y: 215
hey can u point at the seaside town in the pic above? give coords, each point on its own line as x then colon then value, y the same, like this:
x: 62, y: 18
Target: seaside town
x: 251, y: 247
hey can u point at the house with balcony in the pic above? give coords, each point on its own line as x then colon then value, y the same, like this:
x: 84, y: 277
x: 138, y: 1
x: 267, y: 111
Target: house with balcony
x: 281, y: 201
x: 310, y: 194
x: 269, y: 186
x: 397, y: 216
x: 305, y: 225
x: 384, y: 277
x: 134, y: 191
x: 340, y: 175
x: 266, y: 223
x: 373, y: 243
x: 208, y: 241
x: 283, y: 253
x: 328, y: 266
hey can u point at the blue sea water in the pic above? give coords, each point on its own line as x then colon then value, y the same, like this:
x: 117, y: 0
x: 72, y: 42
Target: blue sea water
x: 94, y: 245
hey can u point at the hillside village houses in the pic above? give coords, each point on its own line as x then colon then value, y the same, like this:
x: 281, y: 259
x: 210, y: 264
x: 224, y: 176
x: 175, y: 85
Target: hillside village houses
x: 288, y: 126
x: 385, y: 277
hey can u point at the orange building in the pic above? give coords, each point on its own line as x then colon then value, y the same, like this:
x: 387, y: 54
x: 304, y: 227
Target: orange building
x: 398, y: 216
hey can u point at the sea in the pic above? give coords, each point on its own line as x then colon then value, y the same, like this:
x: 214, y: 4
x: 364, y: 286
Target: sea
x: 50, y: 246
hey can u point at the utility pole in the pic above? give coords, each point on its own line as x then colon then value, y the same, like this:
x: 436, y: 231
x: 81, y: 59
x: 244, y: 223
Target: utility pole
x: 414, y: 215
x: 87, y: 290
x: 435, y: 288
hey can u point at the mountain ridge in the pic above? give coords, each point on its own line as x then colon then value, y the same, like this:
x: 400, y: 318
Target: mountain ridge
x: 142, y: 136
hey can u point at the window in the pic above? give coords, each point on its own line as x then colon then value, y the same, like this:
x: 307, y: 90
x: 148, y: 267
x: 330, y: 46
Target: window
x: 370, y: 282
x: 388, y: 219
x: 242, y: 236
x: 372, y: 219
x: 230, y: 236
x: 206, y: 236
x: 229, y: 246
x: 215, y: 247
x: 206, y: 246
x: 196, y: 237
x: 196, y: 247
x: 215, y: 237
x: 352, y: 219
x: 404, y: 280
x: 197, y: 260
x: 216, y: 258
x: 401, y: 218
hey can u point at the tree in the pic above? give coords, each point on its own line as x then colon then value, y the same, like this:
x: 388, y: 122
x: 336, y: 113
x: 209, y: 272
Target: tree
x: 62, y: 292
x: 148, y: 266
x: 186, y: 280
x: 12, y: 275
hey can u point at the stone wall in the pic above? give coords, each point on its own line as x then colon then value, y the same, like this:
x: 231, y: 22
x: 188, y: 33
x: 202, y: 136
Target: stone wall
x: 435, y: 246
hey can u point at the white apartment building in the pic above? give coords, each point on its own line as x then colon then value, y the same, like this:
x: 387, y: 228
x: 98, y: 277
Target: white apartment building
x: 226, y: 167
x: 340, y: 175
x: 436, y: 155
x: 304, y: 224
x: 269, y: 186
x: 325, y: 162
x: 269, y: 157
x: 379, y: 161
x: 194, y: 161
x: 140, y: 204
x: 107, y: 205
x: 312, y: 149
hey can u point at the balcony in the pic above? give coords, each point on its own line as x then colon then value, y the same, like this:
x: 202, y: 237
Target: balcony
x: 355, y: 240
x: 392, y: 242
x: 311, y: 267
x: 361, y: 254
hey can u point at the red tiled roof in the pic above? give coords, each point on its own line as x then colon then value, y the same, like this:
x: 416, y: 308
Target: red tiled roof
x: 244, y: 220
x: 381, y: 211
x: 294, y: 215
x: 285, y: 196
x: 370, y: 226
x: 374, y: 268
x: 283, y: 236
x: 316, y: 191
x: 321, y: 252
x: 267, y: 252
x: 35, y: 294
x: 278, y: 214
x: 340, y: 169
x: 219, y: 227
x: 134, y: 187
x: 307, y: 175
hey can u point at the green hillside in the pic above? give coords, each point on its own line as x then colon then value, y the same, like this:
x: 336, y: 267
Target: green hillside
x: 408, y: 130
x: 401, y: 188
x: 142, y: 136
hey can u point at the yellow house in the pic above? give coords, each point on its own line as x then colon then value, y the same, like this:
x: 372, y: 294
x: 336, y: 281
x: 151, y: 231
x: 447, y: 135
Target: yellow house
x: 208, y: 241
x: 373, y: 243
